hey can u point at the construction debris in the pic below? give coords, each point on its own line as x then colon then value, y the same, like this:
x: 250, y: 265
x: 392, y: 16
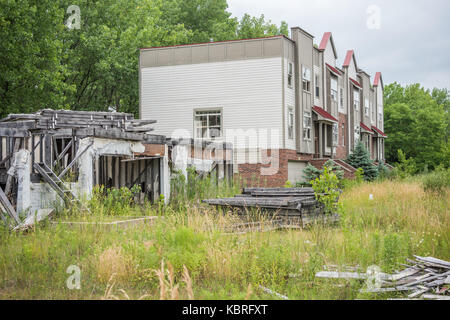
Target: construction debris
x: 424, y: 278
x: 295, y: 206
x: 279, y: 295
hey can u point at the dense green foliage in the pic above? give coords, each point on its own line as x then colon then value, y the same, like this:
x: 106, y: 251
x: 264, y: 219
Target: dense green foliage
x: 360, y: 158
x: 47, y: 65
x: 326, y: 189
x: 418, y: 123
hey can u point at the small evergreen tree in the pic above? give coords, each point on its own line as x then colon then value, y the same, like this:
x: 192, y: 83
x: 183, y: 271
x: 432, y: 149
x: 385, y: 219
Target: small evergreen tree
x: 311, y: 173
x: 360, y: 158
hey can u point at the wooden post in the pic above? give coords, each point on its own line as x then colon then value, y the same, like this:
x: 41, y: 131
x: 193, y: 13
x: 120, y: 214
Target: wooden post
x: 48, y: 150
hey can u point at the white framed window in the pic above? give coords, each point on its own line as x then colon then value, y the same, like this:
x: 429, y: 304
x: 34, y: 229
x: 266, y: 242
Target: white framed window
x: 335, y: 134
x: 343, y: 134
x: 291, y: 123
x: 356, y: 99
x: 341, y: 98
x: 366, y: 107
x: 333, y: 89
x: 317, y: 87
x: 290, y: 74
x: 356, y: 135
x: 306, y: 79
x: 208, y: 124
x: 307, y: 123
x: 380, y: 120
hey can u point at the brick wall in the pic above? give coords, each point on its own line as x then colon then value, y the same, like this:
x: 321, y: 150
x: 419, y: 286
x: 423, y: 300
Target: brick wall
x: 251, y: 173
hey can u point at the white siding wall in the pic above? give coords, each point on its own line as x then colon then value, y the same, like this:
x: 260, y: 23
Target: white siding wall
x: 329, y: 55
x: 249, y: 92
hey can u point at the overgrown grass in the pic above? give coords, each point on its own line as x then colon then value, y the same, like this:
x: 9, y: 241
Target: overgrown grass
x: 186, y: 255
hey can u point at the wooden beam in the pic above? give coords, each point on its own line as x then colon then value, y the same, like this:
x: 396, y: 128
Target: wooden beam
x: 74, y: 160
x: 14, y: 133
x: 63, y: 153
x: 8, y: 207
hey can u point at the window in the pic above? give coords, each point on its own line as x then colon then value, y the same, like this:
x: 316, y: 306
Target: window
x: 290, y: 74
x: 208, y: 124
x: 291, y: 124
x: 366, y: 107
x: 333, y: 89
x: 306, y: 76
x: 341, y: 97
x: 335, y: 134
x: 357, y: 130
x: 372, y: 109
x: 356, y: 100
x: 380, y: 120
x: 307, y: 125
x: 316, y: 81
x: 343, y: 134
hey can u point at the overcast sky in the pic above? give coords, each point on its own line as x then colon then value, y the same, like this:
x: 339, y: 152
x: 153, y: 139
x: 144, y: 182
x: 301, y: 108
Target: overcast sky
x: 409, y: 43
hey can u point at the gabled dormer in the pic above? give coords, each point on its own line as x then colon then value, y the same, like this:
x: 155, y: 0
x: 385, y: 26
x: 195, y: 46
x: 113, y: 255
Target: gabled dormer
x: 333, y: 83
x: 329, y: 49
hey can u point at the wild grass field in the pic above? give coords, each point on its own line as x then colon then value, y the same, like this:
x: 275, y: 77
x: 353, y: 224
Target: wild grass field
x: 185, y: 254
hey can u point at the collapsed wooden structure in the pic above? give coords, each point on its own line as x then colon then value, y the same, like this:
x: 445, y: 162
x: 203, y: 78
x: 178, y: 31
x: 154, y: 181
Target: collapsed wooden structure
x: 424, y: 278
x: 63, y: 154
x: 294, y: 206
x: 58, y: 156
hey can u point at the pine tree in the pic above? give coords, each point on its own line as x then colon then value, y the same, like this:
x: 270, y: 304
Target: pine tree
x: 360, y: 158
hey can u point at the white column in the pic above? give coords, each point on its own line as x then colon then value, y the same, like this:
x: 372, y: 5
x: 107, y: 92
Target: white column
x: 23, y: 171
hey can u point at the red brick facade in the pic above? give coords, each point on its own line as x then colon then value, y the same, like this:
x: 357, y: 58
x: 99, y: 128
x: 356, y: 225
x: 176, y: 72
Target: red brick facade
x: 251, y: 173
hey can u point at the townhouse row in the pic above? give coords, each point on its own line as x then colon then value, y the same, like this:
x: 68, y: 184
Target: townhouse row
x: 282, y: 102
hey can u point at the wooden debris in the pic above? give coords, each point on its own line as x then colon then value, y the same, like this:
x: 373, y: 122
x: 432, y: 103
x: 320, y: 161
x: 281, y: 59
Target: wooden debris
x: 424, y: 277
x: 279, y: 295
x: 291, y: 204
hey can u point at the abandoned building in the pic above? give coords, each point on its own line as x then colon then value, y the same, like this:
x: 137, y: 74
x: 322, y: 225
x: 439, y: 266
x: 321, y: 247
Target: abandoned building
x: 282, y: 102
x: 55, y: 156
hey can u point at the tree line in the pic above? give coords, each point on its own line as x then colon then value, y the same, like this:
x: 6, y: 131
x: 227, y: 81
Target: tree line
x: 417, y: 123
x: 45, y: 64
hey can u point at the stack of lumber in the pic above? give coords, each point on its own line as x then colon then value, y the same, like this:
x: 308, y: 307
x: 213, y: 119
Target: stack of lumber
x: 297, y: 205
x: 423, y: 278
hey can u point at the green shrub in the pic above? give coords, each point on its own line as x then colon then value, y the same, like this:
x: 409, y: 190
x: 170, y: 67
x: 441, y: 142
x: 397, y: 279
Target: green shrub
x: 405, y: 167
x: 288, y: 184
x: 437, y: 181
x: 326, y: 188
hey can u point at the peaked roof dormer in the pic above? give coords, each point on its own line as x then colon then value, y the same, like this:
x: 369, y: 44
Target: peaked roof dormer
x: 350, y: 56
x: 378, y: 79
x: 328, y: 38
